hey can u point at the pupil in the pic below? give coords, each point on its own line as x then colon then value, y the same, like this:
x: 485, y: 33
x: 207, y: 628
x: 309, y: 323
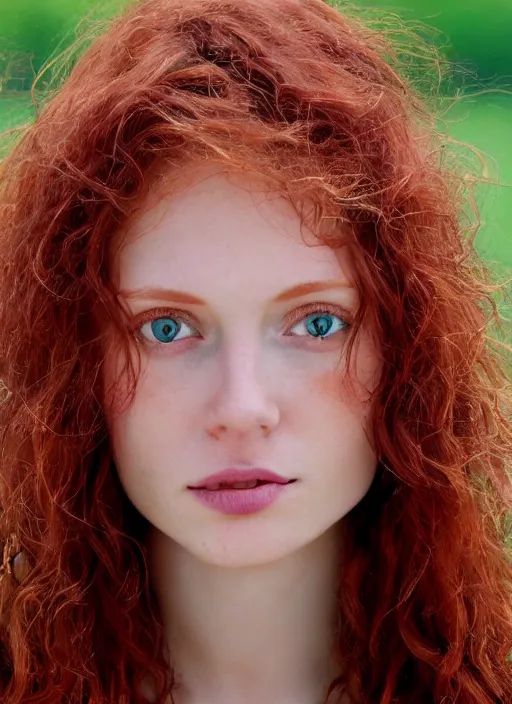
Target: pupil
x: 319, y: 325
x: 164, y: 329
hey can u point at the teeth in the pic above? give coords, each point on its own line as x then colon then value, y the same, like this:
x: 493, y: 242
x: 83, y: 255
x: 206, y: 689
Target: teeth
x: 245, y: 485
x: 235, y: 485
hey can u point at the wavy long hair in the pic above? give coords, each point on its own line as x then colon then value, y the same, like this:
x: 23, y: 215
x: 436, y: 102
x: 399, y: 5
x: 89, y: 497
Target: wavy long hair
x: 324, y: 107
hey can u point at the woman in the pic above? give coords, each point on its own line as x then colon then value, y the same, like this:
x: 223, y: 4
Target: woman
x: 255, y: 439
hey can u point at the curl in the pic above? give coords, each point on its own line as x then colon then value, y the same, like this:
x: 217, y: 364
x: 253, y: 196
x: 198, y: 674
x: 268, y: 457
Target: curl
x: 331, y: 115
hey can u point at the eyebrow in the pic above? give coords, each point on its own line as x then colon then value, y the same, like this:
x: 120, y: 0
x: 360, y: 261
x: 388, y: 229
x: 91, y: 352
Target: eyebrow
x: 174, y: 296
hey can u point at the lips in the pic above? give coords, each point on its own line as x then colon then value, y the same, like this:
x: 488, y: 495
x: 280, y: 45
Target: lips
x: 241, y: 492
x: 240, y: 479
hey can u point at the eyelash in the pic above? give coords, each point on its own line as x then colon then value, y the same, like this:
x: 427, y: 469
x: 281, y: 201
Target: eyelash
x: 298, y: 314
x: 292, y: 318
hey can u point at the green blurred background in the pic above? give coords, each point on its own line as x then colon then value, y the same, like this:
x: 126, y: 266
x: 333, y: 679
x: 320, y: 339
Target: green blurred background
x: 473, y: 34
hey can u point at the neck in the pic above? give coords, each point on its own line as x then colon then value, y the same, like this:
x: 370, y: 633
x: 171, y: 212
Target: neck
x: 228, y: 626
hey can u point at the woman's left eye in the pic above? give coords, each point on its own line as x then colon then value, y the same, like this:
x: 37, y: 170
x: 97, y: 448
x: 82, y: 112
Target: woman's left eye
x: 166, y: 330
x: 319, y: 325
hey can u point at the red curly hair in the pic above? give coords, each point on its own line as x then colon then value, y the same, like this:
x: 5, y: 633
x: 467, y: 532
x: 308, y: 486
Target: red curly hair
x: 312, y: 99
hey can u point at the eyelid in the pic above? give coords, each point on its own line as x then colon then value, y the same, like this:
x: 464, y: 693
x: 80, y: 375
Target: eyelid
x: 154, y: 313
x: 293, y: 317
x: 298, y: 314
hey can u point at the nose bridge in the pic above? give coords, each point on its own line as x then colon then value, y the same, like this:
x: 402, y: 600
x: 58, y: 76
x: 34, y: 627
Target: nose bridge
x: 242, y: 401
x: 241, y: 367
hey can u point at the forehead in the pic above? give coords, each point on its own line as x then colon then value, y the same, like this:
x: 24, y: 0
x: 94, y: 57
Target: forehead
x: 213, y: 228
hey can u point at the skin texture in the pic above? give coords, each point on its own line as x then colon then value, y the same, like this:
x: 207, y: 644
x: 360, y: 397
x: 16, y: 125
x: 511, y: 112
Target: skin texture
x: 243, y: 385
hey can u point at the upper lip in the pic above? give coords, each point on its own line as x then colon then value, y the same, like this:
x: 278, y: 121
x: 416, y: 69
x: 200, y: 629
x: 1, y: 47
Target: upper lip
x: 232, y: 476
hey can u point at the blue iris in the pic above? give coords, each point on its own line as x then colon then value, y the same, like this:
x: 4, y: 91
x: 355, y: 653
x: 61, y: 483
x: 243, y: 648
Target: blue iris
x: 319, y: 325
x: 165, y: 329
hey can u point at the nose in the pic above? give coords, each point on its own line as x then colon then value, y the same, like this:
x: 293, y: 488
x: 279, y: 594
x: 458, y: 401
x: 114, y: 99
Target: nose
x: 242, y: 406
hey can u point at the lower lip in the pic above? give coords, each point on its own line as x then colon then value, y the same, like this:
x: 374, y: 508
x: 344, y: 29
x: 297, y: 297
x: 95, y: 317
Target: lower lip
x: 239, y: 502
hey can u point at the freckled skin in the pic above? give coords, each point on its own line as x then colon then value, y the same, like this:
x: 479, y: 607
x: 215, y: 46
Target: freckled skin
x: 328, y: 385
x: 245, y: 392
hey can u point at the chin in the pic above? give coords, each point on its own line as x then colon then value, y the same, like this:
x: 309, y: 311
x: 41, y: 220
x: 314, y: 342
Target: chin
x: 243, y: 543
x: 242, y: 559
x: 243, y: 550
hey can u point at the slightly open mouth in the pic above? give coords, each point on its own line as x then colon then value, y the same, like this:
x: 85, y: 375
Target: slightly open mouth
x: 225, y: 486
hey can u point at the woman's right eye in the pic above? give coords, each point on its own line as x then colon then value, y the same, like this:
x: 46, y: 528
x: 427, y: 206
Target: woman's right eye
x: 165, y: 330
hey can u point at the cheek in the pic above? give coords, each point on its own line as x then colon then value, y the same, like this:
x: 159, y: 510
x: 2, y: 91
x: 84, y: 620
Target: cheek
x: 128, y: 386
x: 339, y: 432
x: 336, y: 390
x: 155, y: 410
x: 327, y: 385
x: 335, y: 407
x: 341, y: 405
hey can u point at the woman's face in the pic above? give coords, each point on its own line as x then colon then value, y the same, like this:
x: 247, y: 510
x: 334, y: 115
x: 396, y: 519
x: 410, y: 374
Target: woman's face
x: 243, y: 329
